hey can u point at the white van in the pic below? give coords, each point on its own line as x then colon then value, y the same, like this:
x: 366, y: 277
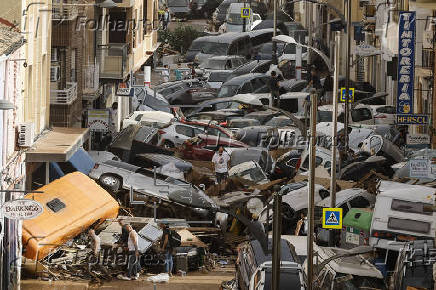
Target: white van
x: 399, y: 215
x: 234, y: 21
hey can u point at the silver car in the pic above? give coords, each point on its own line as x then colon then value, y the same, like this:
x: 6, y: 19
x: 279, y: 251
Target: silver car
x: 116, y: 175
x: 177, y: 133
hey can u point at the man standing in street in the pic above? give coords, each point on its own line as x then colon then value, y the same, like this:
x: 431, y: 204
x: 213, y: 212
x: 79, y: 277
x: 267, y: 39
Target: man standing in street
x: 221, y: 162
x: 274, y: 87
x: 166, y: 74
x: 166, y: 248
x: 133, y: 266
x: 178, y: 73
x: 166, y: 19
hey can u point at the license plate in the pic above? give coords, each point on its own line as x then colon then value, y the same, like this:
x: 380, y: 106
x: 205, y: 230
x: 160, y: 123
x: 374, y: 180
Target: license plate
x: 352, y: 238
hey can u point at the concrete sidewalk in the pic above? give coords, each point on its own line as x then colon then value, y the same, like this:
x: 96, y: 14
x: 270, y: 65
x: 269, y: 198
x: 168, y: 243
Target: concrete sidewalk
x: 193, y: 281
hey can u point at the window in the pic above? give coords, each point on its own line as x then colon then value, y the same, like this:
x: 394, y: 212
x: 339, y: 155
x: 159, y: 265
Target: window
x: 198, y: 131
x: 54, y: 73
x: 409, y: 225
x: 361, y: 114
x: 184, y: 130
x: 409, y: 206
x: 359, y: 202
x: 246, y: 88
x: 138, y: 118
x: 386, y: 110
x: 213, y: 131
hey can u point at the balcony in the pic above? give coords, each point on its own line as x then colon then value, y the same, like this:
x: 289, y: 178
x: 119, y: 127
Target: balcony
x: 64, y: 12
x: 64, y: 97
x: 113, y: 60
x: 124, y: 3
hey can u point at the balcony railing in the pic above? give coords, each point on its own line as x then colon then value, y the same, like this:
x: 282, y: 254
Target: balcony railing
x: 91, y: 76
x: 64, y: 97
x: 112, y: 60
x: 64, y: 12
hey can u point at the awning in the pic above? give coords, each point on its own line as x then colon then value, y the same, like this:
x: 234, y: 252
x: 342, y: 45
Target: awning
x: 57, y: 145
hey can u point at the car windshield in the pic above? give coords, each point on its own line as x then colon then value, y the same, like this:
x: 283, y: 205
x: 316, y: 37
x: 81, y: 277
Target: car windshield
x: 214, y: 64
x: 218, y: 77
x: 197, y: 45
x: 215, y: 48
x: 267, y: 48
x: 235, y: 19
x: 227, y: 91
x: 177, y: 3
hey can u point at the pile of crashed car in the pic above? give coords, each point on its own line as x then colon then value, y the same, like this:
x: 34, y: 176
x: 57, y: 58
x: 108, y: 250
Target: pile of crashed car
x: 158, y: 169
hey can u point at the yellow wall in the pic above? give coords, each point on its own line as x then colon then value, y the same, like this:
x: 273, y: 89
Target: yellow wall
x: 144, y: 42
x: 37, y: 27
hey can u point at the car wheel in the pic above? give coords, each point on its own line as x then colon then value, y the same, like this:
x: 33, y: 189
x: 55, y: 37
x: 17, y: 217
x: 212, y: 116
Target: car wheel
x: 168, y: 144
x: 111, y: 182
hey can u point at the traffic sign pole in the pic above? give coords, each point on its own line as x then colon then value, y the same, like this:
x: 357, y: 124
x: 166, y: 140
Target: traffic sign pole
x: 311, y: 191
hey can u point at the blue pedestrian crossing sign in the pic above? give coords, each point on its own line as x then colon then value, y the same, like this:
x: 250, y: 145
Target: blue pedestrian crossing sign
x: 245, y: 12
x: 350, y: 95
x: 332, y: 218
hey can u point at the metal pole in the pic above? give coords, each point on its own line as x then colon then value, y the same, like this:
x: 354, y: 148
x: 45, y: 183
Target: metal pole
x: 347, y: 77
x: 335, y: 127
x: 274, y: 44
x: 277, y: 222
x: 311, y: 192
x: 310, y: 28
x: 244, y: 21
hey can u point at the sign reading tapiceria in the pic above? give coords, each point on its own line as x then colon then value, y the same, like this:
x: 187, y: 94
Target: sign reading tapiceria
x: 406, y: 62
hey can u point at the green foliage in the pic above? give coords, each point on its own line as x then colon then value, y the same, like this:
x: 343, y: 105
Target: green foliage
x: 180, y: 39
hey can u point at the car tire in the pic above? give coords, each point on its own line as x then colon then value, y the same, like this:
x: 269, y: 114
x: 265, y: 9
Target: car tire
x: 168, y: 144
x: 111, y: 182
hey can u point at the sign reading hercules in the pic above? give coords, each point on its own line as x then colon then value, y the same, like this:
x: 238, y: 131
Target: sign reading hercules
x: 406, y: 62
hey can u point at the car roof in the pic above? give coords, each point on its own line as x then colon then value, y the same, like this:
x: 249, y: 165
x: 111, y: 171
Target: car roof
x: 228, y: 37
x: 343, y: 196
x: 251, y: 65
x: 237, y: 6
x: 243, y: 78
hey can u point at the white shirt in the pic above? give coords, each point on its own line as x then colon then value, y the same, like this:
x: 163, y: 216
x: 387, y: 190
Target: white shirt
x: 96, y: 243
x: 130, y: 243
x: 220, y: 162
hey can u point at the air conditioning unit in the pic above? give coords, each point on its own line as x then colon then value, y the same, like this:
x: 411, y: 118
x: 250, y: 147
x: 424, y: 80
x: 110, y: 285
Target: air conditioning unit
x: 54, y: 54
x: 54, y: 73
x: 26, y: 134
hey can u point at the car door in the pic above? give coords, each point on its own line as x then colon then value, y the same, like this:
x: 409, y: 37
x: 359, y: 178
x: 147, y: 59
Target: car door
x: 182, y: 133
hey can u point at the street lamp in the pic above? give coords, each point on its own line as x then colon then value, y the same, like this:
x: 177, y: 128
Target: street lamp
x: 291, y: 40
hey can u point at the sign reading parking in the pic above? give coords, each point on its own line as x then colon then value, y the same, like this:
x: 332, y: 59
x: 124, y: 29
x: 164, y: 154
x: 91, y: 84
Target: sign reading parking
x: 332, y: 218
x: 350, y: 95
x: 245, y: 12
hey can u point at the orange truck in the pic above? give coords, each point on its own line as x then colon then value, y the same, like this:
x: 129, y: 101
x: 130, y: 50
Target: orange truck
x: 71, y: 205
